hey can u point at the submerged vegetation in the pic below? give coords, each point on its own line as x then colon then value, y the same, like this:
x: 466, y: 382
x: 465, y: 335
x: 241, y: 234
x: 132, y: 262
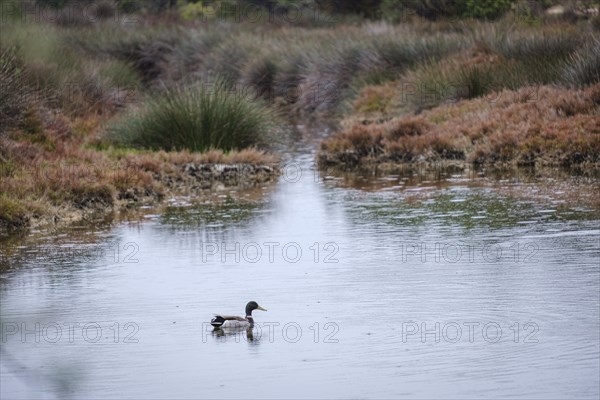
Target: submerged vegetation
x: 138, y: 85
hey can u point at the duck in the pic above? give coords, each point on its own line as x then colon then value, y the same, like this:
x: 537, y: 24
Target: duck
x: 231, y: 321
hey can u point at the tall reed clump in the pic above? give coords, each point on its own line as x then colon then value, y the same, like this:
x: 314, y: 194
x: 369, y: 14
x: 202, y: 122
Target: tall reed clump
x: 539, y: 54
x: 502, y: 60
x: 583, y: 67
x: 197, y: 118
x: 15, y: 95
x: 396, y: 54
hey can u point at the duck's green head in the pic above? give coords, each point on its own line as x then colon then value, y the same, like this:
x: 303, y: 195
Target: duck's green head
x: 253, y: 306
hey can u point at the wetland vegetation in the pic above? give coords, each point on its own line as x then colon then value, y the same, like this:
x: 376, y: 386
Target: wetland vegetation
x: 106, y: 104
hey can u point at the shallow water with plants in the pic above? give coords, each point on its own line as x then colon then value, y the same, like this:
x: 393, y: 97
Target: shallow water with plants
x: 376, y: 286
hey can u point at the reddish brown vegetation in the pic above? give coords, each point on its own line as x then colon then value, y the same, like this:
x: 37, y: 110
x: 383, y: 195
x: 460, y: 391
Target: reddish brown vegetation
x: 57, y: 173
x: 532, y: 126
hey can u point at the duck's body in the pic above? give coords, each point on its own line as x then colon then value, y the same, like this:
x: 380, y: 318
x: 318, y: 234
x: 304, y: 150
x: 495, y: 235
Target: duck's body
x: 231, y: 322
x: 235, y: 322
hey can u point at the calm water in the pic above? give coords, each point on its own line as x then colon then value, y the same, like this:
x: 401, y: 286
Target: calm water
x: 507, y: 293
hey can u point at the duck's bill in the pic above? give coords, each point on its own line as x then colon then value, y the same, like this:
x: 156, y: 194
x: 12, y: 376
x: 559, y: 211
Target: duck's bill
x: 261, y: 309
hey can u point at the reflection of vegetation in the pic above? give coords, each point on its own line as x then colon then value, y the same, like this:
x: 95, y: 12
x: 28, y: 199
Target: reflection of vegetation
x: 65, y: 247
x: 228, y: 212
x: 62, y: 379
x: 467, y: 210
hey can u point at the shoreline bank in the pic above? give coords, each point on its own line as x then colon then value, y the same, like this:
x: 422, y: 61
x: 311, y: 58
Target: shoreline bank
x: 139, y: 182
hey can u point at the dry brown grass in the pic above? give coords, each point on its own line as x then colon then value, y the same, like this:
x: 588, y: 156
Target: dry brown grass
x: 375, y: 99
x: 45, y: 174
x: 532, y: 126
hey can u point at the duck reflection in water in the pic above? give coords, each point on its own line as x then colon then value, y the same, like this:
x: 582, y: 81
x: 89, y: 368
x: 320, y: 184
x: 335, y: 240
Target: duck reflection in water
x: 222, y: 333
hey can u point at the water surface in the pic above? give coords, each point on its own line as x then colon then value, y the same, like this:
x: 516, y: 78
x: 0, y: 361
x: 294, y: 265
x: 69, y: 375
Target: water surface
x: 368, y: 265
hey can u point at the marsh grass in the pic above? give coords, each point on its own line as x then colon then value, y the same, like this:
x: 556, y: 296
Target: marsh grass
x: 61, y: 75
x: 313, y: 69
x: 583, y: 67
x: 548, y: 44
x: 317, y: 70
x: 119, y: 74
x: 259, y: 76
x: 13, y: 215
x: 197, y: 118
x: 497, y: 59
x: 16, y: 97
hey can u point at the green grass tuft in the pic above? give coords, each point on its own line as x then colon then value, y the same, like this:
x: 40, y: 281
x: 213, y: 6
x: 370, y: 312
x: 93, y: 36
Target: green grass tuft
x: 13, y: 215
x: 197, y: 118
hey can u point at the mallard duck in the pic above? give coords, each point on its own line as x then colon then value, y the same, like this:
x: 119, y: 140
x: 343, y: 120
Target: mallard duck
x: 227, y: 321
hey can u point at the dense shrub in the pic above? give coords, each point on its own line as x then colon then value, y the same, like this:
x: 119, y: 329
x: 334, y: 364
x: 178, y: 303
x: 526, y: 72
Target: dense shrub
x: 439, y: 9
x: 484, y: 9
